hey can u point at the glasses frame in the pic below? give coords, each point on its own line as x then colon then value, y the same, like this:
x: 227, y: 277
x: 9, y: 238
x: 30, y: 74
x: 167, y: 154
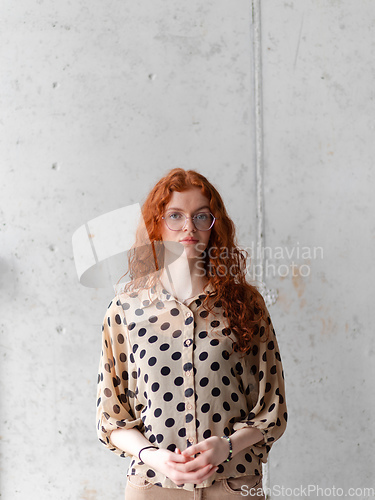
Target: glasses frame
x: 193, y: 219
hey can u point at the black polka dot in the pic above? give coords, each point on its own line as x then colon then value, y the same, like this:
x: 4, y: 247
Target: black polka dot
x: 168, y: 396
x: 204, y: 381
x: 205, y: 408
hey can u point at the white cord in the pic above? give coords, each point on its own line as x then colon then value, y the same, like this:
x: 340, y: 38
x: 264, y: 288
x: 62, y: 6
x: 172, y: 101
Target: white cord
x: 270, y: 296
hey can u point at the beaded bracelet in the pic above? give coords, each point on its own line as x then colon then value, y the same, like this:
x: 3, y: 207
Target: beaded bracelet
x: 230, y: 456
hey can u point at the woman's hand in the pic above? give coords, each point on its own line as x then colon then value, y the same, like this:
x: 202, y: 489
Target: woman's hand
x: 211, y: 452
x: 174, y: 466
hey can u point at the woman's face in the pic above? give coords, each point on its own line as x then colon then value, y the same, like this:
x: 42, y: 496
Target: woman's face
x: 190, y: 202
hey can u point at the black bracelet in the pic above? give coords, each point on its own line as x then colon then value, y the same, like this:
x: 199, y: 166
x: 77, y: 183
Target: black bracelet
x: 145, y: 448
x: 230, y: 456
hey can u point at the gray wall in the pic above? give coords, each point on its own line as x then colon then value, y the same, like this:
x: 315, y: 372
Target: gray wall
x: 98, y: 101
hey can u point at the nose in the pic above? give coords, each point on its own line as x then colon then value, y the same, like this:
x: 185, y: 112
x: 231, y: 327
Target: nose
x: 189, y: 226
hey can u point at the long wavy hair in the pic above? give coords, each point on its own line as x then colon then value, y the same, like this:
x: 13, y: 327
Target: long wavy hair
x: 243, y: 305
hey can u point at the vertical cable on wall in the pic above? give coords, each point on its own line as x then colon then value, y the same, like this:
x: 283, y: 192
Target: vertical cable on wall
x: 258, y: 134
x: 270, y: 296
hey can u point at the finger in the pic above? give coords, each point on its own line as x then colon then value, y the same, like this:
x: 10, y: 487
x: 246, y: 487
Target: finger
x: 189, y: 466
x: 209, y: 474
x: 192, y: 450
x: 202, y: 475
x: 177, y: 458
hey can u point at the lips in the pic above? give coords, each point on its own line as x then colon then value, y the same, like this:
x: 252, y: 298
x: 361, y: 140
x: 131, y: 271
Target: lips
x: 190, y: 240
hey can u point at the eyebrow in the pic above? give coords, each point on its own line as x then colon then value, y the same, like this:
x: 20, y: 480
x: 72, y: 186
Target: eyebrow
x: 180, y: 209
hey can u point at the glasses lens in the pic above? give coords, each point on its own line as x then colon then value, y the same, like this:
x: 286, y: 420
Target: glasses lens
x: 175, y: 220
x: 203, y: 221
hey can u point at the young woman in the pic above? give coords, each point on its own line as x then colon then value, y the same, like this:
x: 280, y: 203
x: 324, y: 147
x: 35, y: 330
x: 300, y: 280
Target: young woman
x: 191, y: 383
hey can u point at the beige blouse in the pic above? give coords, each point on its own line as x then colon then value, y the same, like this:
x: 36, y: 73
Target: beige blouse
x: 165, y: 369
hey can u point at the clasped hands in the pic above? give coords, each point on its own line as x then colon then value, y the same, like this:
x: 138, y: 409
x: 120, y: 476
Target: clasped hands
x: 183, y: 467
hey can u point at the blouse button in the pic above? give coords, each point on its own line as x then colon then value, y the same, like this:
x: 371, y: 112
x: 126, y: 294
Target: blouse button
x: 189, y: 406
x: 191, y: 440
x: 187, y: 342
x: 188, y: 373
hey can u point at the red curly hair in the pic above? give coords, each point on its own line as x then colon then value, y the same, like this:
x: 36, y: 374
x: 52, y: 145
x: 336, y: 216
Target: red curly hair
x: 243, y: 305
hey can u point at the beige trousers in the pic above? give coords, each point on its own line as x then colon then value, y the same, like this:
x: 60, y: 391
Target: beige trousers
x: 244, y: 487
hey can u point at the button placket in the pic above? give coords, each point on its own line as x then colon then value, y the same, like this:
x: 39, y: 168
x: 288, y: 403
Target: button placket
x: 188, y: 368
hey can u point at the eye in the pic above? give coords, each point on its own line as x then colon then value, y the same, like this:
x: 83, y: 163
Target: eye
x: 175, y: 215
x: 202, y: 216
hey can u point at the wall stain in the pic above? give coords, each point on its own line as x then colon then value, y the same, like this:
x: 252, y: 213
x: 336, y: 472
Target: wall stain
x: 88, y: 494
x: 298, y: 282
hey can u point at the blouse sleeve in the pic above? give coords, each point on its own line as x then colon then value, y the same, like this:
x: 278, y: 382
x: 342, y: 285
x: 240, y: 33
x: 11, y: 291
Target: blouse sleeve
x: 116, y: 390
x: 265, y: 390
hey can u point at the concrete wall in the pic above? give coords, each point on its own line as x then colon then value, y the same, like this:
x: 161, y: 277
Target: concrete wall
x: 98, y: 101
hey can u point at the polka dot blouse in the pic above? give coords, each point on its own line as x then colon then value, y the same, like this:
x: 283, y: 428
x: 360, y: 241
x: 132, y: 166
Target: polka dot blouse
x: 165, y: 369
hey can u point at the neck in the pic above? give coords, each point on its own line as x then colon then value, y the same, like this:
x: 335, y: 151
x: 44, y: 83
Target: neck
x: 183, y: 277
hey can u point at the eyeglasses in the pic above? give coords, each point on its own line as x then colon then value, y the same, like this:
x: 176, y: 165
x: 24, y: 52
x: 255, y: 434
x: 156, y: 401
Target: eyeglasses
x: 176, y: 221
